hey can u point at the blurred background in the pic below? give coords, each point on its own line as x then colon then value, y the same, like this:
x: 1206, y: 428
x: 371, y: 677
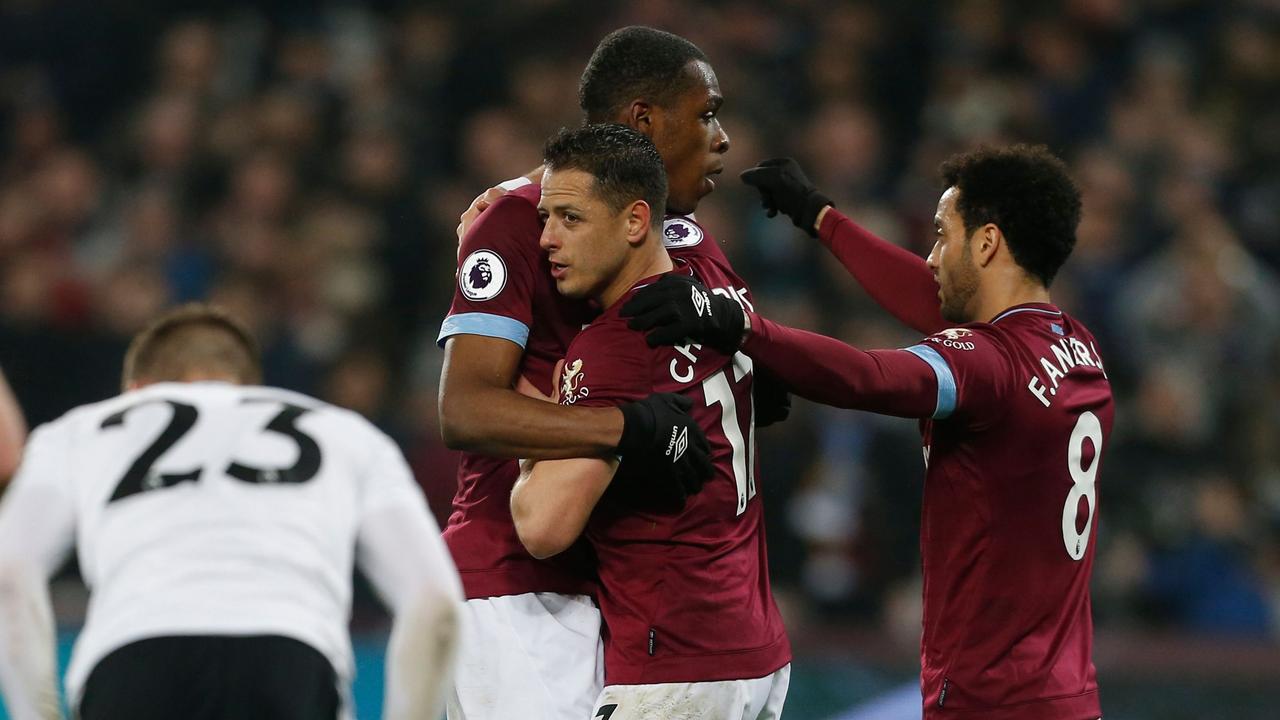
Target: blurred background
x: 304, y: 164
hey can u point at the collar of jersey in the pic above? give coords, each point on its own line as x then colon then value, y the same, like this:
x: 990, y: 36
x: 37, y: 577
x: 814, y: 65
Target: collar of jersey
x: 1035, y: 308
x: 680, y: 268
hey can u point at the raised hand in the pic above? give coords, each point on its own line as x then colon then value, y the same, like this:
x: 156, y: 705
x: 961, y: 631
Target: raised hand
x: 785, y: 189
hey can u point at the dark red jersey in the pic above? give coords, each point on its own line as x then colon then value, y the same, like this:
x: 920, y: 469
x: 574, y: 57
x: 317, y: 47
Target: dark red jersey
x: 505, y: 290
x: 1010, y: 518
x: 1018, y: 412
x: 685, y: 596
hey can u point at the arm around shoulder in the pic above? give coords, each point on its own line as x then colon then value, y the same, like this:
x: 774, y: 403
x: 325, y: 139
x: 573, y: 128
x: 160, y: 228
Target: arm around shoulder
x: 480, y: 411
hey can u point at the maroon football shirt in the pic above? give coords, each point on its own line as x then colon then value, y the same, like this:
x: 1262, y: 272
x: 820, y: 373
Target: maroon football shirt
x: 685, y: 596
x: 1018, y: 412
x: 505, y: 290
x: 1010, y: 519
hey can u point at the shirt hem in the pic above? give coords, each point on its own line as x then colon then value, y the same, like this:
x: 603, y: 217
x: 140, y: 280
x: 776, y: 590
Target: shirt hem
x: 1084, y: 706
x: 708, y: 667
x: 479, y: 584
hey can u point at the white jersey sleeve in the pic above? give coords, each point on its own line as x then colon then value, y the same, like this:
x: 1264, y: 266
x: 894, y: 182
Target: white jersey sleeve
x: 401, y: 551
x: 37, y: 525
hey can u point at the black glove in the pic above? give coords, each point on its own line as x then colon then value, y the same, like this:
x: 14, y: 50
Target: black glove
x: 678, y: 309
x: 773, y: 402
x: 665, y: 455
x: 784, y: 189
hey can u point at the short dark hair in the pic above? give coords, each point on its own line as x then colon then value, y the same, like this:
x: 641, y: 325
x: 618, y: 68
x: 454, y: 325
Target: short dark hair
x: 193, y: 337
x: 625, y: 164
x: 1026, y: 192
x: 635, y: 62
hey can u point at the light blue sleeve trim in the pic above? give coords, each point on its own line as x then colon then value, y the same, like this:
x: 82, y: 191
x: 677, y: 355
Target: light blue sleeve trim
x: 474, y: 323
x: 946, y: 381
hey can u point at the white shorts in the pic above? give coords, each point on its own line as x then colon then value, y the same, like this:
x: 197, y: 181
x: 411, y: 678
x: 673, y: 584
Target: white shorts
x: 536, y: 656
x: 758, y: 699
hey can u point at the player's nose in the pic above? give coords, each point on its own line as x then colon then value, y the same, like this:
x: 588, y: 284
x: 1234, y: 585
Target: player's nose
x: 720, y: 144
x: 932, y: 259
x: 547, y: 240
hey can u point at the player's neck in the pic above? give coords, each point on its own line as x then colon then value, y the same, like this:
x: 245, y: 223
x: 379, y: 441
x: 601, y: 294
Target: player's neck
x: 1018, y: 290
x: 651, y: 259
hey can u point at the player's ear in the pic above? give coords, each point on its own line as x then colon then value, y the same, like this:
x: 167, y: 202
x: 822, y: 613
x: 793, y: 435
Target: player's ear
x: 640, y: 117
x: 986, y: 241
x: 638, y: 216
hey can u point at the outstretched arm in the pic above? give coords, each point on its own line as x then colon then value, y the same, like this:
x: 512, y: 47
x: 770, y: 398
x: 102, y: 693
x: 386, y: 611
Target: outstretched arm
x: 827, y: 371
x: 677, y: 309
x: 922, y: 381
x: 897, y: 279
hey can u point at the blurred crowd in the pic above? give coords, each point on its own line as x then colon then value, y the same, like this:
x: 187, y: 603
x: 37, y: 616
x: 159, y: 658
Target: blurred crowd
x: 305, y: 164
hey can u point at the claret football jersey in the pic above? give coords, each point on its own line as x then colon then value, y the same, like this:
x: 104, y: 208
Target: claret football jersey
x: 685, y: 595
x: 1010, y: 517
x: 505, y: 290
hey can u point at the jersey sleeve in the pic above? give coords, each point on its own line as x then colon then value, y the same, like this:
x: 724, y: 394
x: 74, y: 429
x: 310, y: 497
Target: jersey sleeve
x: 606, y: 365
x: 897, y: 279
x: 827, y: 371
x: 388, y: 482
x: 38, y: 512
x: 496, y: 265
x: 972, y: 368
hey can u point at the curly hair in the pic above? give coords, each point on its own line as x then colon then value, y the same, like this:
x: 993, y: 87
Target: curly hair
x: 1026, y: 192
x: 635, y: 62
x: 625, y: 164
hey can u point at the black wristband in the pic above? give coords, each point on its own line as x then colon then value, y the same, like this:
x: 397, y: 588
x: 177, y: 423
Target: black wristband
x: 638, y: 426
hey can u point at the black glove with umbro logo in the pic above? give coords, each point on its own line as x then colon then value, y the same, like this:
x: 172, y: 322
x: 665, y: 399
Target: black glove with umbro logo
x: 678, y: 309
x: 665, y: 455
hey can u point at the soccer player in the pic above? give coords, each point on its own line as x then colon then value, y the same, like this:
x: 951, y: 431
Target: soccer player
x: 216, y: 522
x: 1015, y: 409
x: 531, y: 646
x: 692, y: 629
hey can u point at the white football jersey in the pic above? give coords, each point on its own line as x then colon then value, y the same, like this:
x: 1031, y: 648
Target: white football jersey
x: 210, y: 508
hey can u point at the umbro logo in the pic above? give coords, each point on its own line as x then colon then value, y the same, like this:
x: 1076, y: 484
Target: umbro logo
x: 701, y: 302
x: 678, y: 444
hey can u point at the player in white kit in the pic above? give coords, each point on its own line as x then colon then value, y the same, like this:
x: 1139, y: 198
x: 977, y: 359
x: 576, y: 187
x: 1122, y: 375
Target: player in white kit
x: 217, y: 522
